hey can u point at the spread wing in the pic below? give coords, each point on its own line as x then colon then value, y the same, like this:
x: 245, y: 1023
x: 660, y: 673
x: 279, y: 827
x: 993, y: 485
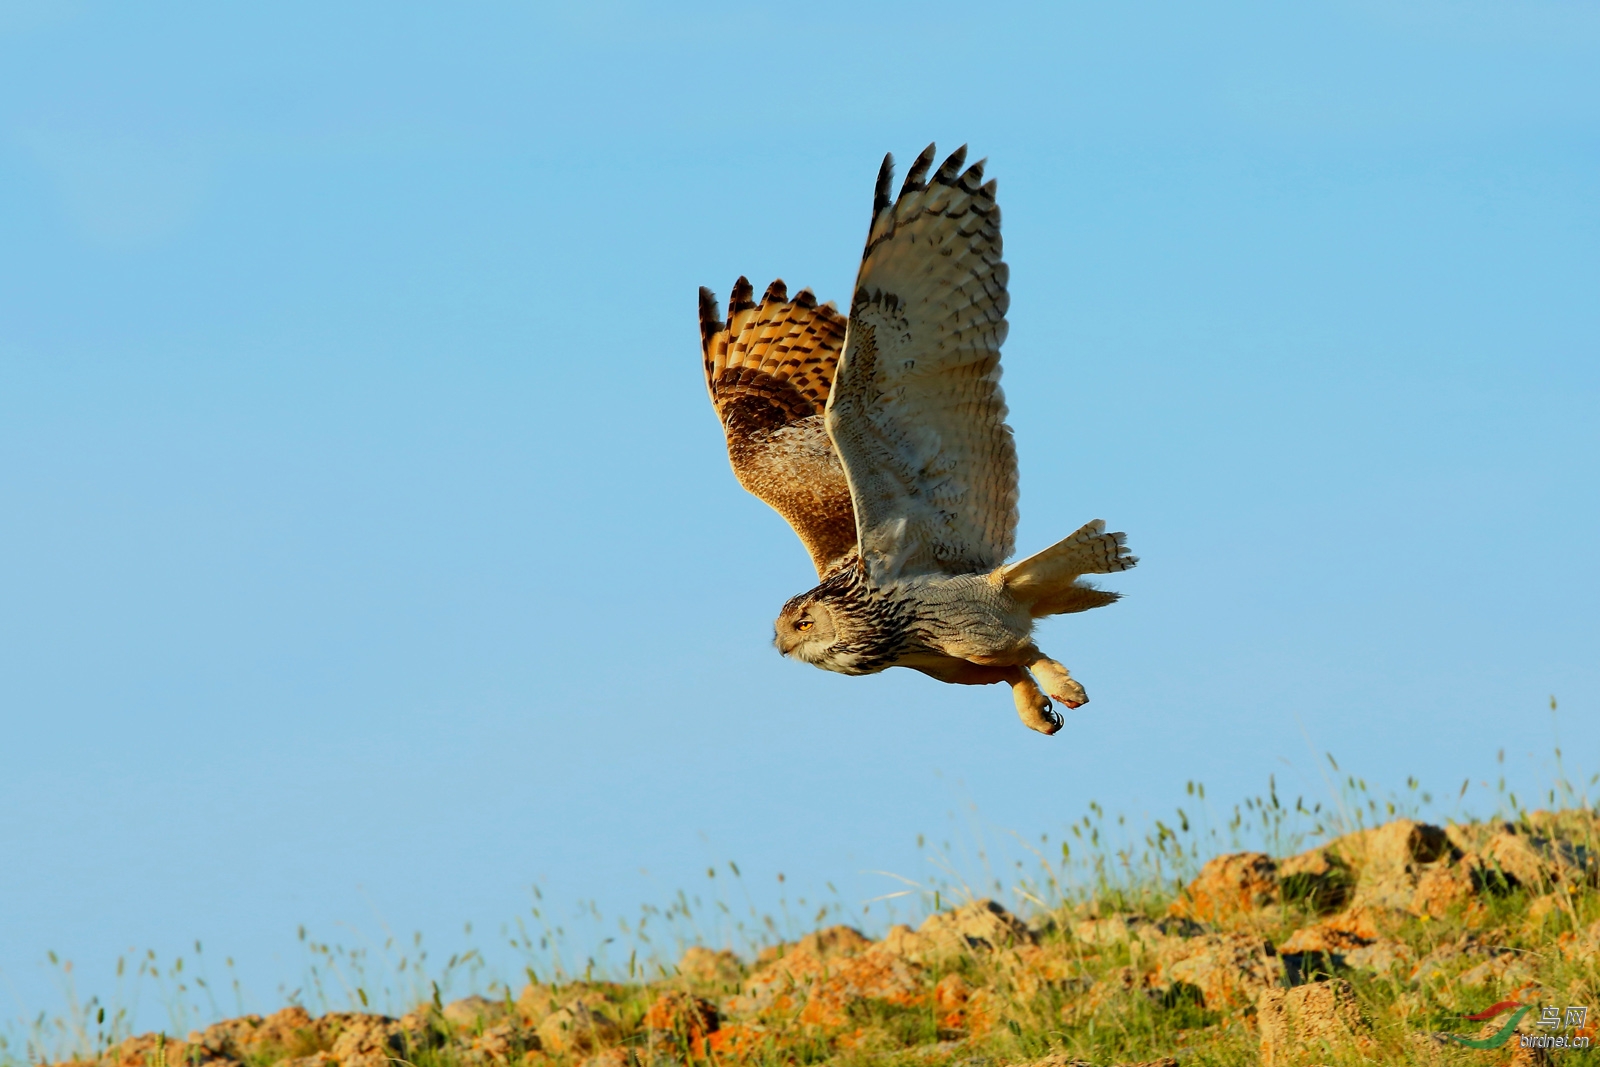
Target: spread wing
x: 769, y: 367
x: 916, y: 412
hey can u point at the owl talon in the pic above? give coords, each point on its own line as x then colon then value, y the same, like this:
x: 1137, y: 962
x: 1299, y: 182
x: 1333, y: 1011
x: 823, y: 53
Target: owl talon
x: 1033, y: 707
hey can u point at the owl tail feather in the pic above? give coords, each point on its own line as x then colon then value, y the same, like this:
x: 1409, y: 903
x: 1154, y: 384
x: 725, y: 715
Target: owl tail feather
x: 1047, y: 582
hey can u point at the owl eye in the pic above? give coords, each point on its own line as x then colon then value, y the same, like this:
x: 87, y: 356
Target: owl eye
x: 803, y: 625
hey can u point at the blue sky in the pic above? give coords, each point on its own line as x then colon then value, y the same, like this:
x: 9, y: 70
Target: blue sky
x: 369, y: 555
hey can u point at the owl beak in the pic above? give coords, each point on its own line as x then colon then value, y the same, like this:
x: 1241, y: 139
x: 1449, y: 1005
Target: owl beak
x: 784, y: 643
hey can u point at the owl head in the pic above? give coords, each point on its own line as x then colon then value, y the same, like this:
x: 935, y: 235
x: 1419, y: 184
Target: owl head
x: 842, y: 625
x: 807, y: 628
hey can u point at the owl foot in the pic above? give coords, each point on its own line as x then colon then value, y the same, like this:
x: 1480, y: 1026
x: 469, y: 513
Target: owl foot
x: 1058, y: 682
x: 1033, y: 707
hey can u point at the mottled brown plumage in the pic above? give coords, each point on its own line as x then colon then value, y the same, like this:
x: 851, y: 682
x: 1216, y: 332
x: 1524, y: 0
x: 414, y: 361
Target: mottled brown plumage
x: 883, y: 441
x: 769, y: 367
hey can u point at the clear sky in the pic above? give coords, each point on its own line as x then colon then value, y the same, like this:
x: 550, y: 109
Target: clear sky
x: 368, y: 553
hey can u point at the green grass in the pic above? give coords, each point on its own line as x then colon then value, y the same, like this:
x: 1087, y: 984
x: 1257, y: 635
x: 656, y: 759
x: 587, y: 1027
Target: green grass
x: 1099, y: 1001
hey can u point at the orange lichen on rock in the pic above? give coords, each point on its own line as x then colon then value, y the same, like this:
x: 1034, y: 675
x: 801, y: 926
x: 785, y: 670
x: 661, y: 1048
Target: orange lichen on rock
x: 681, y: 1017
x: 873, y: 975
x: 1229, y: 886
x: 736, y: 1041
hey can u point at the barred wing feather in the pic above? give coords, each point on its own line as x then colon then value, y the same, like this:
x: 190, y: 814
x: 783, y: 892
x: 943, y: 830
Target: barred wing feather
x: 768, y: 369
x: 916, y: 411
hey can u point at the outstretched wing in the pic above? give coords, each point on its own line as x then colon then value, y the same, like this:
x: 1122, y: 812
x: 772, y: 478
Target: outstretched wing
x: 769, y: 367
x: 916, y: 410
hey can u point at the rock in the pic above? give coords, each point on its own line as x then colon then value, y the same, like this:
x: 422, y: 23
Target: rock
x: 1359, y: 926
x: 982, y: 926
x: 1441, y: 886
x: 360, y: 1040
x: 950, y: 998
x: 819, y: 978
x: 962, y: 1009
x: 230, y: 1038
x: 834, y: 941
x: 902, y: 941
x: 287, y: 1034
x: 1318, y: 879
x: 577, y: 1028
x: 290, y: 1037
x: 1446, y: 958
x: 875, y: 975
x: 1583, y: 946
x: 1507, y: 970
x: 739, y: 1041
x: 474, y: 1012
x: 502, y: 1043
x: 612, y: 1057
x: 779, y: 966
x: 316, y: 1059
x: 1391, y: 860
x: 710, y: 968
x: 1536, y: 863
x: 1321, y: 1016
x: 1229, y: 970
x: 534, y: 1003
x: 1118, y: 982
x: 291, y: 1030
x: 1352, y: 938
x: 1405, y: 841
x: 681, y: 1018
x: 1057, y: 1059
x: 1121, y: 927
x: 782, y: 977
x: 154, y: 1050
x: 1034, y: 968
x: 1061, y: 1059
x: 1227, y: 886
x: 1382, y: 956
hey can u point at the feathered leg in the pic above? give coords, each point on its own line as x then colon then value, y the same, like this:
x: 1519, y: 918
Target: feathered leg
x: 1058, y: 681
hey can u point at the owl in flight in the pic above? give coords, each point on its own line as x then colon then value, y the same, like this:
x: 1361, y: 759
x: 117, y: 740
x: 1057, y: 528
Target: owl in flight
x: 882, y: 439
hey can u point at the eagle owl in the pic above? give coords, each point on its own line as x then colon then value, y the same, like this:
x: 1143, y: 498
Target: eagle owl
x: 882, y: 439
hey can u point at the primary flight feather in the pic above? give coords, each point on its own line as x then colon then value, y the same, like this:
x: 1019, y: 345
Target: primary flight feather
x: 882, y: 440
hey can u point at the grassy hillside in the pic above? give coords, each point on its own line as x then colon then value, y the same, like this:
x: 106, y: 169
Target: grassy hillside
x: 1373, y: 947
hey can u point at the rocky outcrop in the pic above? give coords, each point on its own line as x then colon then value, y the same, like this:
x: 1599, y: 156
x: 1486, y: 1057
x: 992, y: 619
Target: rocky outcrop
x: 1228, y: 886
x: 474, y: 1013
x: 1276, y: 952
x: 1227, y: 970
x: 981, y: 926
x: 577, y: 1027
x: 1321, y: 1017
x: 1354, y: 938
x: 681, y: 1020
x: 708, y: 967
